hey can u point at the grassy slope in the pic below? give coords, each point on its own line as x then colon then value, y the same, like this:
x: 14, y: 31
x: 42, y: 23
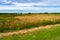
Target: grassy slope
x: 46, y: 34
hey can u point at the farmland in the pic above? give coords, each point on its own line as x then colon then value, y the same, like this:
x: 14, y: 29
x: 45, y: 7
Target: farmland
x: 13, y: 23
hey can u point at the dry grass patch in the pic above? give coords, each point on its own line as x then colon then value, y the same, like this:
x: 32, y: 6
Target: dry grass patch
x: 16, y: 23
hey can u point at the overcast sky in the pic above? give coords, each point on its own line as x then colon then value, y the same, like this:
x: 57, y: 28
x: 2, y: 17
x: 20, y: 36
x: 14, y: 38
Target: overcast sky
x: 29, y: 6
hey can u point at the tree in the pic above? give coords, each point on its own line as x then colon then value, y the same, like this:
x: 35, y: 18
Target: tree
x: 46, y: 13
x: 29, y: 13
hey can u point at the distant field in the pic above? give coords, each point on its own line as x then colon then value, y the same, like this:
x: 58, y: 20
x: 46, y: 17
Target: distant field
x: 10, y: 23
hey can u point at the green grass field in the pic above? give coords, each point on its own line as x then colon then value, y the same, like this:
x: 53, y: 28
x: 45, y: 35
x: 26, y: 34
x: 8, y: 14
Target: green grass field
x: 44, y: 34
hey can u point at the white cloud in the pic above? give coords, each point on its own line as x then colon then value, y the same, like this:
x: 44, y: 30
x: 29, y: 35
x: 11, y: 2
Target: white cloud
x: 43, y: 3
x: 49, y: 3
x: 30, y: 6
x: 27, y: 8
x: 31, y: 9
x: 17, y: 8
x: 6, y: 1
x: 22, y: 4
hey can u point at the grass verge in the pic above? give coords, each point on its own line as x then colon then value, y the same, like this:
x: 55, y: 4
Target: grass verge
x: 44, y: 34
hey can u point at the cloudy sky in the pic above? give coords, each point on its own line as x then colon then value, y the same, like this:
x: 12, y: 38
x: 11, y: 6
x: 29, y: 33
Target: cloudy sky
x: 29, y: 6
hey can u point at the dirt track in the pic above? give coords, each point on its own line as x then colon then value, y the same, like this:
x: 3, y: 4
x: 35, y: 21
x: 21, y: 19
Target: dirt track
x: 28, y: 30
